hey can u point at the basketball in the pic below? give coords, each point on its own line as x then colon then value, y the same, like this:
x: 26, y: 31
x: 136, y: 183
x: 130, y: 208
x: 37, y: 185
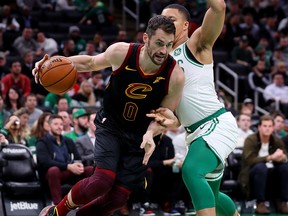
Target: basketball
x: 58, y: 74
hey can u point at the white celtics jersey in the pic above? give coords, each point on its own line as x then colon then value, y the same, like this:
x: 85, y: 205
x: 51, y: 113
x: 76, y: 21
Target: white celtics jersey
x: 199, y: 98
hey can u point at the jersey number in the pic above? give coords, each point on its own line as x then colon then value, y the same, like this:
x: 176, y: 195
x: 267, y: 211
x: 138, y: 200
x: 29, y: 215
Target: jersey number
x: 130, y: 111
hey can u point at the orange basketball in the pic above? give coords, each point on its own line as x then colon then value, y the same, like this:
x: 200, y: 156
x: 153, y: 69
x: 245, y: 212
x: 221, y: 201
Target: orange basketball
x: 58, y: 74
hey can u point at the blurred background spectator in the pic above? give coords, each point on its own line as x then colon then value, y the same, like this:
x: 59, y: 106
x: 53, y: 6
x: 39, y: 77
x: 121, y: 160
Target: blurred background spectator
x: 85, y: 144
x: 16, y: 80
x: 38, y: 130
x: 31, y: 106
x: 48, y: 45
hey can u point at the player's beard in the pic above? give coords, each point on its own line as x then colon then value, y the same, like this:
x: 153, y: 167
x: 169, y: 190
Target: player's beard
x: 153, y: 56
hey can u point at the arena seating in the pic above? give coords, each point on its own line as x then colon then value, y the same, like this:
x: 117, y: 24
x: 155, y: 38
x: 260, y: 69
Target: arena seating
x: 22, y: 190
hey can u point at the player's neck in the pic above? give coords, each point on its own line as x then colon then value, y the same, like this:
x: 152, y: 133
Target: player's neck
x: 181, y: 39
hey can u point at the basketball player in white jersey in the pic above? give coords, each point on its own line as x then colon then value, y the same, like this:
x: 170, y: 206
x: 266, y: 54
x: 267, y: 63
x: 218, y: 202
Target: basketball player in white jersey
x: 211, y: 130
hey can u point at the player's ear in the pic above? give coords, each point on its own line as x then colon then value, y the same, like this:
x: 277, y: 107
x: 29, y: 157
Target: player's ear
x: 186, y: 25
x: 145, y: 37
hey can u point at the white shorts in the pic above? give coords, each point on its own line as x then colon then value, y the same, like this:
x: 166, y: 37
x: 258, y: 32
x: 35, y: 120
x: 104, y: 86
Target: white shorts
x: 220, y: 133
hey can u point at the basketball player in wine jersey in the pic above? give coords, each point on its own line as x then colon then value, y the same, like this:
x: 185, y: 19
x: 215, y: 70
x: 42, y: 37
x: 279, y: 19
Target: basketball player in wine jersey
x: 144, y: 78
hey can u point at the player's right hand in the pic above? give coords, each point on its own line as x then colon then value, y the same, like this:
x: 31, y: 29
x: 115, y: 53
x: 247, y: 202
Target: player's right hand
x: 38, y: 65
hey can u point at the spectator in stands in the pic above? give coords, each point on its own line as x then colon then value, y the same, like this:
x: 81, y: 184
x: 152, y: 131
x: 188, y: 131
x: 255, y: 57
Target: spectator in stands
x: 122, y: 36
x: 80, y: 124
x: 23, y: 115
x: 38, y: 130
x: 278, y: 56
x: 16, y: 79
x: 99, y: 43
x: 26, y: 20
x: 98, y: 85
x: 89, y: 49
x: 243, y: 53
x: 79, y: 41
x: 279, y: 124
x: 51, y: 100
x: 85, y: 96
x: 277, y: 92
x: 262, y: 52
x: 66, y: 122
x: 9, y: 27
x: 139, y: 35
x: 68, y: 48
x: 258, y: 77
x: 58, y: 159
x: 275, y: 7
x: 28, y: 64
x: 280, y: 67
x: 234, y: 31
x: 12, y: 100
x: 3, y: 135
x: 85, y: 144
x: 283, y: 45
x: 4, y: 114
x: 269, y: 29
x: 48, y: 45
x: 247, y: 106
x: 62, y: 104
x: 250, y: 27
x: 244, y: 126
x: 26, y: 42
x: 14, y: 131
x: 264, y: 155
x: 98, y: 15
x: 7, y: 20
x: 3, y: 69
x: 30, y: 104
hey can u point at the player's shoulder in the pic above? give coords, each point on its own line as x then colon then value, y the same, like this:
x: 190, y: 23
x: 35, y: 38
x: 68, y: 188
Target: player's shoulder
x: 117, y: 52
x: 119, y: 47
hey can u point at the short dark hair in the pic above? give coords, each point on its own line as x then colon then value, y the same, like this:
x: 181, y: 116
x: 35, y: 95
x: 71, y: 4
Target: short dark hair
x: 181, y: 9
x: 278, y: 73
x: 30, y: 95
x: 265, y: 118
x: 160, y: 22
x: 54, y: 116
x: 277, y: 113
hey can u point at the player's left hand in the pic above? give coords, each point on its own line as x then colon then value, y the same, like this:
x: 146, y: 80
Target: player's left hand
x: 148, y: 145
x: 165, y: 117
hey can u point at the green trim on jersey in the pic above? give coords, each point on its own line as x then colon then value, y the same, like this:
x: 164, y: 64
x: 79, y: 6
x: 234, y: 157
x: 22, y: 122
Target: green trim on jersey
x: 190, y: 57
